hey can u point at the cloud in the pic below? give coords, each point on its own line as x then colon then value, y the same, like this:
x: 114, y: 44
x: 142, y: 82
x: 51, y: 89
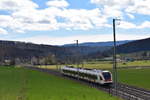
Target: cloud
x: 23, y: 15
x: 124, y: 6
x: 14, y: 5
x: 38, y: 20
x: 52, y: 18
x: 117, y: 3
x: 82, y: 38
x: 5, y: 20
x: 2, y: 31
x: 140, y: 7
x: 82, y: 19
x: 117, y: 8
x: 127, y: 25
x: 130, y: 15
x: 113, y: 8
x: 61, y: 18
x: 112, y: 12
x: 58, y: 3
x: 145, y: 24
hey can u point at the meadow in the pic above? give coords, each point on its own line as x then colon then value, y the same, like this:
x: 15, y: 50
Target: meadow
x: 23, y: 84
x: 102, y: 64
x: 135, y: 77
x: 109, y: 64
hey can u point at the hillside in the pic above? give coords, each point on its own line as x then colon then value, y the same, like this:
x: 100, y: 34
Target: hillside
x: 11, y: 50
x: 135, y: 49
x: 47, y: 54
x: 26, y: 52
x: 41, y: 54
x: 99, y: 44
x: 135, y: 46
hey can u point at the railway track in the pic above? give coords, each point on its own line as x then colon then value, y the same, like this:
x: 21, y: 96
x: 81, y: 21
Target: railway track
x: 134, y: 92
x: 124, y: 91
x: 134, y: 67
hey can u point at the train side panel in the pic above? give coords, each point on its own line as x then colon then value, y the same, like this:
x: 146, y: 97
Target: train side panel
x: 100, y: 77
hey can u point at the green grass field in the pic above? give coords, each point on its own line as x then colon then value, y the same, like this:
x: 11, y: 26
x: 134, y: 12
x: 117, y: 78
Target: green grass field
x: 23, y: 84
x: 135, y: 77
x: 104, y: 64
x: 109, y: 64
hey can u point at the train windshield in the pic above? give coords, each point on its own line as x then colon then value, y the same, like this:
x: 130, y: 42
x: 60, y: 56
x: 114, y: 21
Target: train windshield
x: 107, y: 75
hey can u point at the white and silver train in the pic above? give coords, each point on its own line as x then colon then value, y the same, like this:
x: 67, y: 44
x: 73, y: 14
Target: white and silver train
x: 93, y: 75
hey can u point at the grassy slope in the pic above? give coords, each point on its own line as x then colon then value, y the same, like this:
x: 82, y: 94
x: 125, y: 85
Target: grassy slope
x: 135, y: 77
x: 23, y: 84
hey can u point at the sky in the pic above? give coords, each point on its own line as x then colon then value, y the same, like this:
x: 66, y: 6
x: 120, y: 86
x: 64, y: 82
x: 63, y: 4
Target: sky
x: 58, y: 22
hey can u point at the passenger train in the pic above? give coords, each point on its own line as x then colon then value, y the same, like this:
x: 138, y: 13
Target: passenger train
x: 93, y: 75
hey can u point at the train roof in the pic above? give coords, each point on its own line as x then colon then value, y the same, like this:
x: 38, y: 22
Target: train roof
x: 90, y: 71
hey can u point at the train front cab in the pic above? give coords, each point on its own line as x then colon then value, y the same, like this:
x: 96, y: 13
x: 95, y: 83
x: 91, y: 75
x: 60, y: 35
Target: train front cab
x: 105, y: 78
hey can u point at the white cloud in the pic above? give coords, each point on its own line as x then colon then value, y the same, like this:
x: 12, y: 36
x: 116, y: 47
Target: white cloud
x: 140, y: 7
x: 124, y: 6
x: 51, y: 18
x: 24, y: 15
x: 82, y: 19
x: 113, y: 8
x: 2, y: 31
x: 112, y: 12
x: 5, y: 20
x: 127, y: 25
x: 38, y: 20
x: 113, y: 3
x: 82, y: 38
x: 130, y: 15
x: 117, y: 8
x: 58, y: 3
x: 145, y: 24
x: 13, y: 5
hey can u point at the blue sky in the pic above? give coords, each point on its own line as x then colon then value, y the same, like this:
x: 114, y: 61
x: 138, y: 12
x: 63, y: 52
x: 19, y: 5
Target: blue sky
x: 58, y: 22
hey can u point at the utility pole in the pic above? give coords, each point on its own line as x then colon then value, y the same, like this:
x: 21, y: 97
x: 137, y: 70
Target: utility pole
x: 77, y: 45
x: 77, y: 59
x: 115, y: 76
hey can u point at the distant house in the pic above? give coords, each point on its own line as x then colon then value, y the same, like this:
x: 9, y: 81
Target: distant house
x: 7, y: 62
x: 111, y: 59
x: 34, y: 60
x: 129, y: 59
x: 108, y: 58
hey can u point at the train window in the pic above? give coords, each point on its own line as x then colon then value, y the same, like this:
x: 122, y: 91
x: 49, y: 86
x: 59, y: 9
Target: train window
x: 70, y: 72
x: 107, y: 75
x: 92, y: 76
